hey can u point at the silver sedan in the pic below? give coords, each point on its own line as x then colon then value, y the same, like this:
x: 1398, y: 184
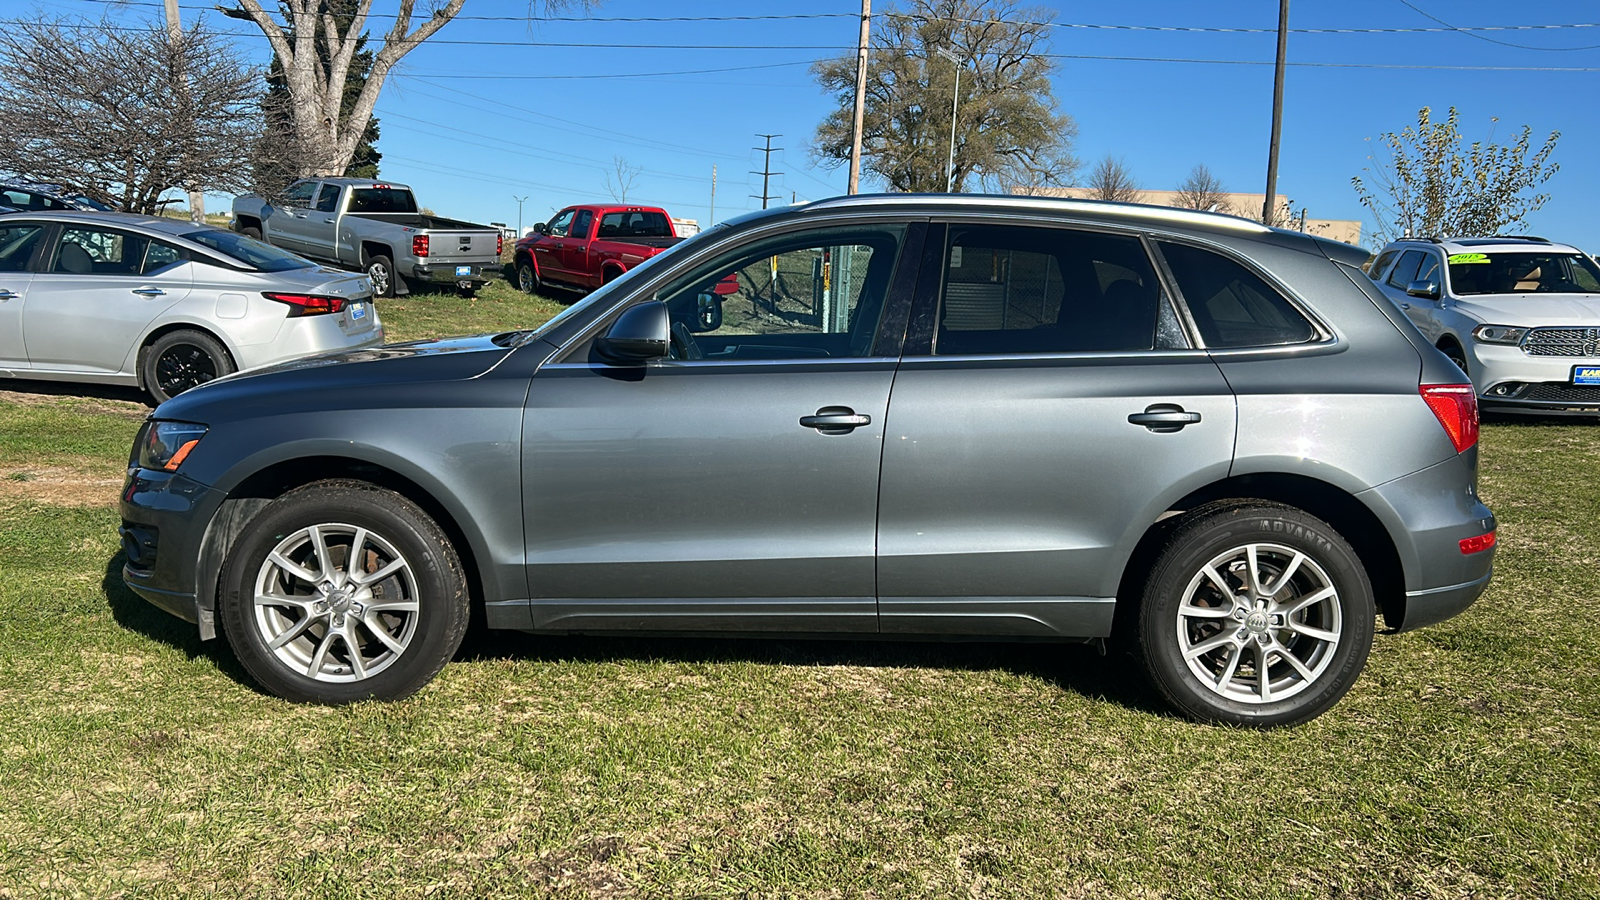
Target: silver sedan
x: 162, y: 304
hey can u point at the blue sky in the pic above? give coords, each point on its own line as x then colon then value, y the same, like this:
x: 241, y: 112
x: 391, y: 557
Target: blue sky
x: 491, y: 110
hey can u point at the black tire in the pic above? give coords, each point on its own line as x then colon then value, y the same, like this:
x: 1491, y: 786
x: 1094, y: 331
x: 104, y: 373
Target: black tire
x: 380, y: 271
x: 251, y: 231
x: 527, y: 277
x: 180, y: 360
x: 1251, y: 624
x: 330, y: 621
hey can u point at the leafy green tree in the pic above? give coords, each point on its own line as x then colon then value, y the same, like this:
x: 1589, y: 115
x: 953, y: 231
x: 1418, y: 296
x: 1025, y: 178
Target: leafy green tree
x: 1432, y: 186
x: 1009, y: 131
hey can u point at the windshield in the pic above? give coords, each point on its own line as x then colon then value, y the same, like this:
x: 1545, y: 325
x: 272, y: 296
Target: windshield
x: 253, y: 253
x: 1523, y: 273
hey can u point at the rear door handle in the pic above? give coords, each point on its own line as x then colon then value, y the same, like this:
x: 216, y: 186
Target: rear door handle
x: 150, y: 292
x: 7, y: 295
x: 1164, y: 418
x: 835, y: 420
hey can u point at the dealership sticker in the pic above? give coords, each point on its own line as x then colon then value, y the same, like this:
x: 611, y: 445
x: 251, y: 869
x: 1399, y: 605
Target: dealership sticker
x: 1457, y: 259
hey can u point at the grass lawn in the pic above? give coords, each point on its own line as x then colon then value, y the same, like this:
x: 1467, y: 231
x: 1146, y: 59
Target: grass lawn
x: 139, y: 762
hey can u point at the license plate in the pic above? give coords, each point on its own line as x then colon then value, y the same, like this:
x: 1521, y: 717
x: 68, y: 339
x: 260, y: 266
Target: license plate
x: 1586, y: 375
x: 463, y: 271
x: 358, y: 311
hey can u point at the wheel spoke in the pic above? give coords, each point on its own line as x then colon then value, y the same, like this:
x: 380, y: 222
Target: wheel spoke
x: 363, y: 579
x: 1254, y: 563
x: 294, y: 632
x: 321, y: 654
x: 1206, y: 646
x: 1288, y: 572
x: 392, y: 606
x: 1331, y: 637
x: 1229, y: 669
x: 356, y: 662
x: 357, y: 544
x: 1295, y: 663
x: 377, y: 630
x: 320, y: 545
x: 1205, y: 612
x: 1217, y: 580
x: 281, y: 600
x: 293, y: 568
x: 1295, y: 606
x: 1263, y: 678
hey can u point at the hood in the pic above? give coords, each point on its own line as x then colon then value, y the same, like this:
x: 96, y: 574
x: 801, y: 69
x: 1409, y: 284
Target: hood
x: 1532, y: 310
x: 341, y: 377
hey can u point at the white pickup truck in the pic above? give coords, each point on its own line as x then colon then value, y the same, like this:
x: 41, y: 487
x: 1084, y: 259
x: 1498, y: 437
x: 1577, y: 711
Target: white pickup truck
x: 376, y: 227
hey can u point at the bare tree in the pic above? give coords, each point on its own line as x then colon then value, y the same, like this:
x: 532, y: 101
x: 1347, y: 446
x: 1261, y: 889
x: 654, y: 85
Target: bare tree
x: 1112, y: 180
x: 1431, y: 187
x: 1202, y: 190
x: 1009, y: 131
x: 620, y: 181
x: 316, y: 42
x: 126, y: 113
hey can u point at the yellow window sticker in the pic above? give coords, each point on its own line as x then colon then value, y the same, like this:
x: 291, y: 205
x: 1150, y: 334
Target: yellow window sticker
x: 1457, y: 259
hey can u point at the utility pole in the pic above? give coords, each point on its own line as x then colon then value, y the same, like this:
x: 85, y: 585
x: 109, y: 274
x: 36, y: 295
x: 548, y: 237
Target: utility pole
x: 861, y: 97
x: 1269, y: 211
x: 519, y: 213
x: 766, y: 172
x: 713, y: 195
x: 197, y: 199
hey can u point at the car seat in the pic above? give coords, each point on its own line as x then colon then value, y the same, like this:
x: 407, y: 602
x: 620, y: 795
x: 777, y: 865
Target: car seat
x: 74, y: 259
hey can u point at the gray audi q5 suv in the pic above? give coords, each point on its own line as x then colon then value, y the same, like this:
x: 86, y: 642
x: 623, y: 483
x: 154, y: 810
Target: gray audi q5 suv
x: 955, y: 416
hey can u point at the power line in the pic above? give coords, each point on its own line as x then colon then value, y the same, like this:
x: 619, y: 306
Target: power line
x: 803, y: 62
x: 1469, y: 33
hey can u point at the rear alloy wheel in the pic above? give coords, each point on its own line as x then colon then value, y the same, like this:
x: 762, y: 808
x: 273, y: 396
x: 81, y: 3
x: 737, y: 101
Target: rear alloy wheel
x: 527, y: 278
x: 342, y: 591
x: 181, y: 360
x: 1255, y: 614
x: 380, y: 271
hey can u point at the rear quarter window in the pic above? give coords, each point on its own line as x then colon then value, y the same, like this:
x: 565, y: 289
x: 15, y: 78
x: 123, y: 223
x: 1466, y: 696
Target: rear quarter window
x: 1232, y: 306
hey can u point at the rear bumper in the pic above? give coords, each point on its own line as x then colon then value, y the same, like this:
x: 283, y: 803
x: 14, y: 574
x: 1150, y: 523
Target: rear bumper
x: 1438, y: 604
x: 450, y: 273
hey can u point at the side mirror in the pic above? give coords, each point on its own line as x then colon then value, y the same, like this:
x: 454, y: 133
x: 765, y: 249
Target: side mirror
x: 1427, y: 290
x: 538, y: 228
x: 640, y: 334
x: 708, y: 313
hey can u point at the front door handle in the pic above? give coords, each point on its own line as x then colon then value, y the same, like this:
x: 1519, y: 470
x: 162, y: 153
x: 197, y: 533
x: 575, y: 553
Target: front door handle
x: 7, y: 295
x: 1164, y: 418
x: 327, y: 221
x: 150, y: 292
x: 835, y: 420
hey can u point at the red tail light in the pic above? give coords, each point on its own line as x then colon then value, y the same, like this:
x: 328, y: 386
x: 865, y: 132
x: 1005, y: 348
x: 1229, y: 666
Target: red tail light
x: 1456, y: 405
x: 419, y: 245
x: 1477, y: 544
x: 308, y: 304
x: 499, y: 244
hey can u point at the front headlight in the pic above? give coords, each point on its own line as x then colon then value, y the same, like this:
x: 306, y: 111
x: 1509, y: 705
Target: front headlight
x: 1499, y: 334
x: 167, y: 444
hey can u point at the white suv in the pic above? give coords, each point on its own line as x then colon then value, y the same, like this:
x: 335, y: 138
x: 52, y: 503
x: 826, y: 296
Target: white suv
x: 1520, y: 315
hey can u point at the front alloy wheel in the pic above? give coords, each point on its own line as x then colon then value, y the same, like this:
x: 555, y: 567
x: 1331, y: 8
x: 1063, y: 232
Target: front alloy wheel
x: 1255, y: 614
x: 341, y: 591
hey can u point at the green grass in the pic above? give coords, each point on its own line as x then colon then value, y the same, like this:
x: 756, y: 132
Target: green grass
x: 140, y: 762
x: 443, y: 313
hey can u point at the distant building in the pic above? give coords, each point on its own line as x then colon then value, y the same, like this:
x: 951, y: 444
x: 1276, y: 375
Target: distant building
x: 686, y: 227
x: 1245, y: 205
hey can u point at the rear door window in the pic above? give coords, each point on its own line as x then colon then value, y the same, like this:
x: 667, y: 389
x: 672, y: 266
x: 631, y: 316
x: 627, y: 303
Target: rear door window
x: 1013, y: 290
x: 1232, y: 306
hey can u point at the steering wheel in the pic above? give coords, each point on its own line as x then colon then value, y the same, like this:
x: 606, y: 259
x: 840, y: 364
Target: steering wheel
x: 683, y: 344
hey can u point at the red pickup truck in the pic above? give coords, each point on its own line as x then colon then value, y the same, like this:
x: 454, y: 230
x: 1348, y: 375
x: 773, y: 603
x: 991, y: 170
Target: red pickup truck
x: 584, y: 247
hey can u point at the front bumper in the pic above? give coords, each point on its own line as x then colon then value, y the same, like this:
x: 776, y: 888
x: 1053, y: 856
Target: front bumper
x: 450, y: 273
x: 164, y: 517
x: 1510, y: 380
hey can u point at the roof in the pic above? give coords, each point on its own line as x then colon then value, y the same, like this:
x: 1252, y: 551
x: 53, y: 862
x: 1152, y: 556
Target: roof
x: 114, y: 220
x: 1497, y: 244
x: 1099, y: 209
x: 357, y: 182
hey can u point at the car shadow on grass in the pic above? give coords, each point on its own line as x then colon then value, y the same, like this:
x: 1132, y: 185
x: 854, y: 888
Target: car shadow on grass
x: 40, y: 389
x: 137, y: 614
x: 1077, y: 668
